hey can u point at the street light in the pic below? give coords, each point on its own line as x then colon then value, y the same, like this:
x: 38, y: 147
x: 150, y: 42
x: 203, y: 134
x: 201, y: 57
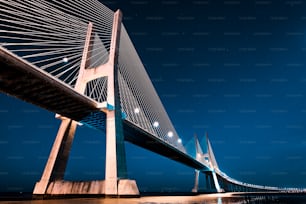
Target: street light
x: 136, y: 110
x: 155, y: 124
x: 170, y: 134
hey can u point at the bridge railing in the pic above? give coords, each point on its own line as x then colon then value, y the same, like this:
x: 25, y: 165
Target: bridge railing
x: 248, y: 185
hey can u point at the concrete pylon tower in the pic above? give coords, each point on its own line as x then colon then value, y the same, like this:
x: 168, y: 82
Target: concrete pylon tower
x: 199, y: 154
x: 213, y: 164
x: 116, y: 182
x: 208, y: 159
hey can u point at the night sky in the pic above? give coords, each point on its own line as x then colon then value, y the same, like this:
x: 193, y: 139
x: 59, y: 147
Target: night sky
x: 234, y: 69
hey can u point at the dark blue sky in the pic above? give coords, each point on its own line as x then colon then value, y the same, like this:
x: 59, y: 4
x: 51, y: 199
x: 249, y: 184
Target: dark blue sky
x: 235, y: 69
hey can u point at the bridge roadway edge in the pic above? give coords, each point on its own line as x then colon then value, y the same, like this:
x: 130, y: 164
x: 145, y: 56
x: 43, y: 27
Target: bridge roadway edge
x: 58, y: 97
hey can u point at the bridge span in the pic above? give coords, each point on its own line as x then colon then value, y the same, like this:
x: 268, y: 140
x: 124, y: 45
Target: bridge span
x: 79, y: 62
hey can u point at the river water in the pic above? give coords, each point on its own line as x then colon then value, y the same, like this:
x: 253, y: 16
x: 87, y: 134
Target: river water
x: 225, y: 198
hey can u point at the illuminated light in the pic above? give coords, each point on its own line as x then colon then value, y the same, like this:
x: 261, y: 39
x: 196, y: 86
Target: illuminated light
x: 80, y: 124
x: 65, y: 59
x: 179, y: 141
x: 136, y: 110
x: 156, y: 124
x: 199, y: 155
x: 170, y: 134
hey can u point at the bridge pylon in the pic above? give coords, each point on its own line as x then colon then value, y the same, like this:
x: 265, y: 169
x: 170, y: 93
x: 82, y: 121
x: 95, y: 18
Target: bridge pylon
x: 207, y: 158
x: 116, y: 182
x: 199, y: 157
x: 213, y: 165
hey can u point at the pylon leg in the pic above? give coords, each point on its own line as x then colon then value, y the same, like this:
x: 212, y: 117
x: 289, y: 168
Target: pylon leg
x: 196, y: 181
x: 115, y: 164
x: 111, y: 179
x: 116, y: 182
x: 57, y: 161
x: 216, y: 182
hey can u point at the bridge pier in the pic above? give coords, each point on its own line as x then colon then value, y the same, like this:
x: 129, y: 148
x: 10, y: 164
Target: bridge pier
x: 116, y: 182
x: 196, y: 181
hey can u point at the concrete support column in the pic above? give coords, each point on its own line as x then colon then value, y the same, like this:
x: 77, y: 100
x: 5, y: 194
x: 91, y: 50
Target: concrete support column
x: 116, y: 182
x: 196, y: 181
x: 111, y: 156
x: 113, y: 123
x: 57, y: 161
x: 216, y: 182
x: 115, y: 163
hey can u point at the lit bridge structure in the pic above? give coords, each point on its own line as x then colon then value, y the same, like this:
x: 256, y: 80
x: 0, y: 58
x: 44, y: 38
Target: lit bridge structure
x: 75, y: 58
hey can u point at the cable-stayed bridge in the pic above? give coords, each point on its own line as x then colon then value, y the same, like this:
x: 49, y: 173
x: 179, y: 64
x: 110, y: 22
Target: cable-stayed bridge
x: 75, y: 58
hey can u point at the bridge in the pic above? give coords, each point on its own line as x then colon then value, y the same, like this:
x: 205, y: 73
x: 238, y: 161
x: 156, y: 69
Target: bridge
x: 75, y: 58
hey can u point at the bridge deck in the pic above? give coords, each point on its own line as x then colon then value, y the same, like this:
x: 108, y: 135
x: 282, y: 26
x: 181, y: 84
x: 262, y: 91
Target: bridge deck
x: 139, y: 137
x: 22, y: 80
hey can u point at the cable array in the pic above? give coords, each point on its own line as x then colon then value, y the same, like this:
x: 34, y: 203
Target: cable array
x: 51, y: 34
x: 97, y: 89
x: 139, y: 99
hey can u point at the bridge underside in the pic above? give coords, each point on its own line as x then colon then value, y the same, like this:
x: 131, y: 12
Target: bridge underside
x: 135, y: 135
x: 21, y: 80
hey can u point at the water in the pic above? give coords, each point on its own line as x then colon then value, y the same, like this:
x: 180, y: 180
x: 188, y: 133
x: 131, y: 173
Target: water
x: 225, y: 198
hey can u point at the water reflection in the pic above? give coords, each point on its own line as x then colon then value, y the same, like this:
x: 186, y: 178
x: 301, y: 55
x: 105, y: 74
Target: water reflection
x: 225, y: 198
